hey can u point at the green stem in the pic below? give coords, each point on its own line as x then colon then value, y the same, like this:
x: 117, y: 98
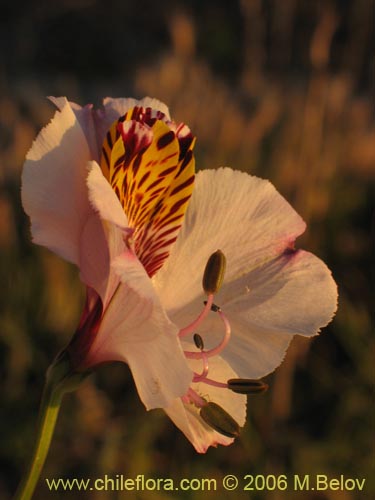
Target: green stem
x: 61, y: 378
x: 49, y: 410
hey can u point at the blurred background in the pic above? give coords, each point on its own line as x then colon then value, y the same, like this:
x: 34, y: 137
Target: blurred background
x: 280, y: 89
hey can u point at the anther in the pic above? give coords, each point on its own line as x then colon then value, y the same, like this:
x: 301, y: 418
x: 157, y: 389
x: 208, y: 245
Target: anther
x: 246, y: 386
x: 217, y: 418
x: 214, y: 307
x: 198, y: 341
x: 214, y: 272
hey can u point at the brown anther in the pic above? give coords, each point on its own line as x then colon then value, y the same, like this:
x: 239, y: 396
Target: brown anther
x: 198, y: 341
x: 217, y: 418
x: 246, y: 386
x: 214, y: 273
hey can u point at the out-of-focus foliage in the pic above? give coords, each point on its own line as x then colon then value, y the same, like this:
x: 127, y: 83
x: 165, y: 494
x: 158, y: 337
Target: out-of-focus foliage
x: 281, y: 89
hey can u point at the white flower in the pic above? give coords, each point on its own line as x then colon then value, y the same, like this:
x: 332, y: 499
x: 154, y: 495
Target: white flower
x: 116, y: 211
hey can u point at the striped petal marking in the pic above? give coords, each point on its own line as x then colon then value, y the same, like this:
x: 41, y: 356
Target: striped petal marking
x: 149, y: 162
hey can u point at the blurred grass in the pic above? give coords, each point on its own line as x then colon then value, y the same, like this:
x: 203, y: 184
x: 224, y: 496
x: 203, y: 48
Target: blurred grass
x: 282, y: 90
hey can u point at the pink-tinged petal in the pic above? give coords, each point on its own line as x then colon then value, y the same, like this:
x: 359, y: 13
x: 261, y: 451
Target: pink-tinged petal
x: 187, y: 419
x: 186, y: 416
x: 54, y: 192
x: 61, y: 102
x: 116, y: 107
x: 103, y: 236
x: 129, y: 269
x: 103, y: 199
x: 136, y: 330
x: 85, y: 118
x: 159, y: 368
x: 100, y: 243
x: 294, y: 293
x: 241, y: 215
x: 291, y: 294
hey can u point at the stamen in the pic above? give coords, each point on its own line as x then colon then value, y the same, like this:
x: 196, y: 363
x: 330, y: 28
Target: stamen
x: 214, y: 383
x: 202, y: 376
x: 218, y: 348
x: 214, y: 307
x: 212, y: 280
x: 246, y: 386
x: 214, y: 272
x: 217, y: 418
x: 198, y: 341
x: 193, y: 326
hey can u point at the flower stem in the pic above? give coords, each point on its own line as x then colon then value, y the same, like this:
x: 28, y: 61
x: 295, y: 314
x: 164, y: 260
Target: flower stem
x: 60, y: 379
x: 49, y: 410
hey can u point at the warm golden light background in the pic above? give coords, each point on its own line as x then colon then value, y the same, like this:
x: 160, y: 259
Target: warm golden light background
x: 280, y: 89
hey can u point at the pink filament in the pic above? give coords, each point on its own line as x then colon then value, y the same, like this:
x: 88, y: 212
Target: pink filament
x: 193, y: 326
x: 219, y: 347
x: 192, y: 397
x: 203, y: 375
x: 215, y: 383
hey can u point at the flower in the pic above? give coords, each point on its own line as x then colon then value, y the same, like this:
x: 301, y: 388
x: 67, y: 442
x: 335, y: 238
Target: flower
x: 114, y: 191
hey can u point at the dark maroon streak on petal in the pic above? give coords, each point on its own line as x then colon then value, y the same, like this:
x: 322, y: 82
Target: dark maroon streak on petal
x: 165, y: 221
x: 155, y: 183
x: 178, y: 204
x: 167, y: 171
x: 185, y: 144
x: 105, y: 156
x: 109, y: 140
x: 165, y: 139
x: 177, y: 189
x: 136, y: 137
x: 187, y: 159
x: 164, y: 160
x: 143, y: 179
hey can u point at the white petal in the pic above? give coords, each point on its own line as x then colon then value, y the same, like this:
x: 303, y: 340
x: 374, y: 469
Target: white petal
x: 132, y: 272
x: 54, y: 192
x: 159, y: 368
x: 85, y: 118
x: 136, y: 330
x: 221, y: 371
x: 150, y: 102
x: 116, y: 107
x: 59, y: 102
x: 102, y: 238
x: 241, y: 215
x: 292, y: 294
x: 187, y: 419
x: 200, y: 435
x: 103, y: 198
